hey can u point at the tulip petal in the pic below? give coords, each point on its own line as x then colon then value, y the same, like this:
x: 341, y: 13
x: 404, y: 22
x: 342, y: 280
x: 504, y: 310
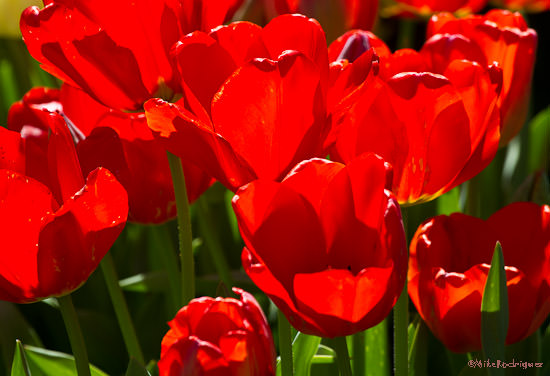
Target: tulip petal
x: 23, y: 203
x: 184, y: 135
x: 277, y: 224
x: 94, y: 217
x: 338, y: 298
x: 205, y: 61
x: 275, y: 106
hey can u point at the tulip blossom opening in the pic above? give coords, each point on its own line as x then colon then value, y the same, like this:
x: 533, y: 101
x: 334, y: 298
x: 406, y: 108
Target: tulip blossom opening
x: 449, y: 262
x: 326, y: 244
x: 54, y: 225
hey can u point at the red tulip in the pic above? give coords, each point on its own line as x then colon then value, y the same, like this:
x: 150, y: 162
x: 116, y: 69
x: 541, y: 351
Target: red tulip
x: 78, y: 41
x: 260, y: 108
x: 425, y: 8
x: 502, y: 37
x: 118, y: 141
x: 54, y: 225
x: 449, y: 261
x: 326, y: 244
x: 335, y: 16
x: 219, y: 337
x: 533, y: 6
x: 436, y: 130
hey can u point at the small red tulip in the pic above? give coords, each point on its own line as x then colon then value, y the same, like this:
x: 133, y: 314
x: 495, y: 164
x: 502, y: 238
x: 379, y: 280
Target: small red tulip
x: 449, y: 261
x: 219, y: 337
x: 55, y: 227
x: 326, y: 244
x: 118, y: 141
x: 261, y: 107
x: 498, y: 37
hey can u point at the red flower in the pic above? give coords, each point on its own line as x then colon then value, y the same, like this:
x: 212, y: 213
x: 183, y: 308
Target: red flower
x: 118, y: 141
x: 502, y: 37
x: 326, y: 244
x: 437, y: 131
x: 254, y: 102
x: 78, y: 41
x: 449, y: 262
x: 55, y: 226
x: 533, y: 6
x: 426, y: 8
x: 219, y: 337
x: 335, y: 16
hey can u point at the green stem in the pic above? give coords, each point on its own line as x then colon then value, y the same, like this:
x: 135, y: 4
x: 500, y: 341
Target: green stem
x: 473, y: 199
x: 400, y: 334
x: 212, y: 241
x: 75, y: 335
x: 359, y: 348
x: 340, y: 346
x: 160, y: 238
x: 184, y: 230
x: 285, y: 345
x: 121, y: 309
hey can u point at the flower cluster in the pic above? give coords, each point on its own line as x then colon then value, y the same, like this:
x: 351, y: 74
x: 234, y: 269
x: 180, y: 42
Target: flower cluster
x: 320, y: 143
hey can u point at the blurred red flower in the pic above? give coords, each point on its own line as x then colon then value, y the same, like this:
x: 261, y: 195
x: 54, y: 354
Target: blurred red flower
x: 450, y: 258
x: 336, y: 17
x: 118, y: 141
x: 54, y: 225
x: 436, y: 130
x: 425, y: 8
x: 498, y: 37
x: 219, y: 337
x: 326, y: 244
x: 79, y: 41
x: 532, y: 6
x: 254, y: 100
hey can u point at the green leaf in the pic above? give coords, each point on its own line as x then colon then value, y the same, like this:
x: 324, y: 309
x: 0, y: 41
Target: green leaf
x: 152, y: 368
x: 494, y: 312
x: 13, y: 325
x: 304, y: 347
x: 136, y: 369
x: 418, y: 355
x: 539, y: 141
x: 44, y: 362
x: 156, y: 281
x: 19, y: 367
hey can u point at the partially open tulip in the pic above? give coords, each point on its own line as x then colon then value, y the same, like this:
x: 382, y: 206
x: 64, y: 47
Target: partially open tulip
x: 254, y: 100
x: 326, y: 244
x: 118, y: 141
x: 55, y: 227
x: 450, y: 258
x: 502, y: 37
x: 219, y: 337
x: 437, y: 129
